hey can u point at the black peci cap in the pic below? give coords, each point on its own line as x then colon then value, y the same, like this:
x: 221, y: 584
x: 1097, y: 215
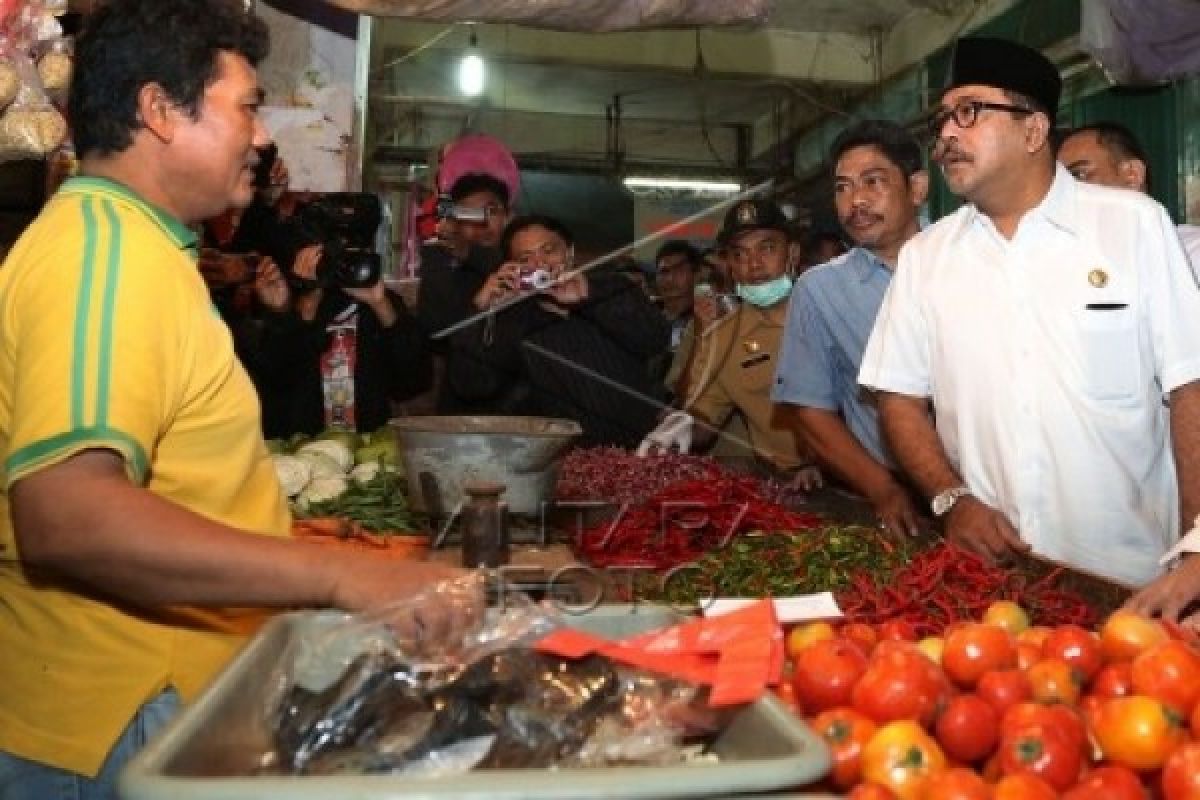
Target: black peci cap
x: 1004, y: 64
x: 753, y: 214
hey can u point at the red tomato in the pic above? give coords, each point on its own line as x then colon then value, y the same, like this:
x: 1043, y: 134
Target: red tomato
x: 846, y: 732
x: 1078, y: 647
x: 900, y: 683
x: 787, y: 696
x: 824, y: 674
x: 901, y: 756
x: 1053, y: 680
x: 1113, y: 680
x: 1194, y: 722
x: 1181, y: 773
x: 862, y: 634
x: 898, y: 630
x: 958, y: 783
x: 1108, y: 783
x: 1003, y: 688
x: 1023, y: 786
x: 968, y: 728
x: 1169, y: 671
x: 1044, y: 751
x: 1138, y: 732
x: 1065, y: 719
x: 1127, y: 633
x: 870, y: 791
x: 974, y: 649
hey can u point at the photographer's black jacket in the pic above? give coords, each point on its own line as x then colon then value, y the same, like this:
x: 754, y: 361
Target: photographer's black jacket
x: 282, y: 353
x: 590, y: 365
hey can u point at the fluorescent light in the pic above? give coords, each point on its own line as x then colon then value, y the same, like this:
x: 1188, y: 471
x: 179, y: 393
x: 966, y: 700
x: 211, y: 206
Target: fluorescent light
x: 722, y: 187
x: 472, y: 72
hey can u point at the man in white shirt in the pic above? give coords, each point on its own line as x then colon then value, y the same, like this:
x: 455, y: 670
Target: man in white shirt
x: 1045, y: 320
x: 1109, y: 154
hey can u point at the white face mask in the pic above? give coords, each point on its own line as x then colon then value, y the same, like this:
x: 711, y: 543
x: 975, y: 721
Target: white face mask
x: 765, y: 295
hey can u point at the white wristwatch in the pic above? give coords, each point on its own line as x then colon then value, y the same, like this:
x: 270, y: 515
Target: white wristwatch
x: 944, y: 501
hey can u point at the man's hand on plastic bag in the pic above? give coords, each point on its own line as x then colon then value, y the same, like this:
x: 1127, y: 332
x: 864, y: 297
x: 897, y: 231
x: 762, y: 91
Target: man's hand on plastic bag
x: 428, y: 604
x: 674, y: 433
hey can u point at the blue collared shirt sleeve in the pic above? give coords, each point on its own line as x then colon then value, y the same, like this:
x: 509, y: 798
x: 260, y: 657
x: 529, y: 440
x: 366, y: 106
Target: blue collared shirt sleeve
x: 805, y: 375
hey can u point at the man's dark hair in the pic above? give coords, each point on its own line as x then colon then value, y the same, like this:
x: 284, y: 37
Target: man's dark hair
x: 680, y: 247
x: 897, y: 144
x: 1117, y: 139
x: 127, y: 44
x: 533, y: 220
x: 475, y: 182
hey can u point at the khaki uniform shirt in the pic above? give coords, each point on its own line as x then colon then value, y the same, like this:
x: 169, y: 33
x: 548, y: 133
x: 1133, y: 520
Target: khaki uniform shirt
x: 734, y: 370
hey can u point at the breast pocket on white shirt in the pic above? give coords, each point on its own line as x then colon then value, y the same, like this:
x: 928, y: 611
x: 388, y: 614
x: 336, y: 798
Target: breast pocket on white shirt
x: 1110, y: 352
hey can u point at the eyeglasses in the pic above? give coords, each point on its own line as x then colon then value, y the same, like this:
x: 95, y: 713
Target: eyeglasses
x: 966, y: 114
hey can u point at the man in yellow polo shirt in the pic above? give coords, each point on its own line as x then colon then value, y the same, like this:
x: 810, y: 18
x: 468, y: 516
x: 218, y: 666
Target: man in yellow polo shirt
x: 139, y: 508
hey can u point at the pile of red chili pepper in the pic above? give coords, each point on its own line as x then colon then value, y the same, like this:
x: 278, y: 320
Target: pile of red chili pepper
x: 685, y: 520
x: 946, y: 584
x: 613, y: 475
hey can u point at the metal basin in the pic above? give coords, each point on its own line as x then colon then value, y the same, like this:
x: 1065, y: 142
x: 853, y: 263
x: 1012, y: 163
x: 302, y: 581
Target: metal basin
x: 443, y: 454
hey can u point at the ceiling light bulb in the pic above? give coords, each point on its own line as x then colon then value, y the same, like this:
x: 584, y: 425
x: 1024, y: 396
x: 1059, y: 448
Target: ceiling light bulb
x: 472, y: 72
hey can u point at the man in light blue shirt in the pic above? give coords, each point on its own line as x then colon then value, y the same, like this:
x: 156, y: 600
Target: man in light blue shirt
x: 879, y: 183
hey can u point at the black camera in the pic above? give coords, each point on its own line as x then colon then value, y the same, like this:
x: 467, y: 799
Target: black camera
x: 344, y: 224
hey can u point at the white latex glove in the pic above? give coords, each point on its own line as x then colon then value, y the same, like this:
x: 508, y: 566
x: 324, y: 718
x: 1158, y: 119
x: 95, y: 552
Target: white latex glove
x: 673, y: 433
x: 1190, y: 543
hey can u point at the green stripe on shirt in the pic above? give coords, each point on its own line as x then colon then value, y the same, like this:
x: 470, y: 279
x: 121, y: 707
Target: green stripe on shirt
x: 82, y: 309
x: 108, y: 315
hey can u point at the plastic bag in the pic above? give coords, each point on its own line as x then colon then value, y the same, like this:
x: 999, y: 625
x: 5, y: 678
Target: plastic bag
x: 371, y: 694
x: 32, y: 49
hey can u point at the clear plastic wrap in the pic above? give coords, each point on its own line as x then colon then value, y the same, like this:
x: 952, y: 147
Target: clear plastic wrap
x: 35, y: 68
x: 377, y: 694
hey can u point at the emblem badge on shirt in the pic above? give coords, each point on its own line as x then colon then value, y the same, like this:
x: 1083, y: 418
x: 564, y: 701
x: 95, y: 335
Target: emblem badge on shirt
x: 1098, y: 278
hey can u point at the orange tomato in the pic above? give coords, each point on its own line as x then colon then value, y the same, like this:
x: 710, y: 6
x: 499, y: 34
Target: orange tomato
x: 1053, y: 680
x: 1004, y: 688
x: 976, y: 648
x: 932, y: 647
x: 1181, y: 773
x: 870, y: 791
x: 1078, y: 647
x: 1035, y: 636
x: 1007, y: 615
x: 824, y: 673
x: 862, y: 634
x: 1127, y: 633
x: 1138, y: 732
x: 846, y: 732
x: 1023, y: 786
x: 805, y: 634
x: 958, y: 783
x: 902, y: 757
x: 1169, y: 671
x: 897, y: 630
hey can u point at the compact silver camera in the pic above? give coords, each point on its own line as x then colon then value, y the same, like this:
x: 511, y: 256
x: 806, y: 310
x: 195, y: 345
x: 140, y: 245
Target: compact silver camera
x: 535, y: 280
